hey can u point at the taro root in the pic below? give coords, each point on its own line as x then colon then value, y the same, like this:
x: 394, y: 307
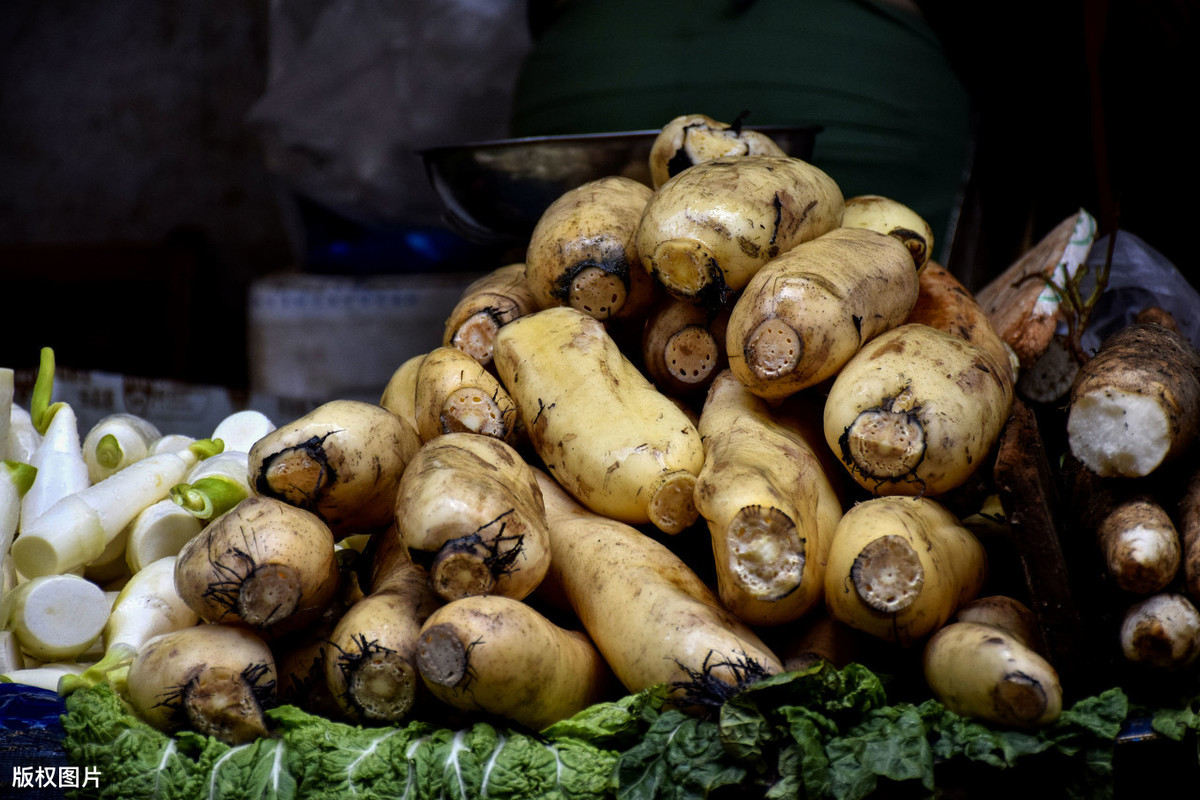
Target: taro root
x: 487, y: 304
x: 691, y: 139
x: 983, y: 671
x: 770, y: 507
x: 611, y: 438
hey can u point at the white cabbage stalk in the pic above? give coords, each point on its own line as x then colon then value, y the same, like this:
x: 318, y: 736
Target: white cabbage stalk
x: 172, y: 443
x: 45, y: 676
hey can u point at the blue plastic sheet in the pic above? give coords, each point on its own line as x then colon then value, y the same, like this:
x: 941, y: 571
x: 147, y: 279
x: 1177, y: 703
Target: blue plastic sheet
x: 32, y: 760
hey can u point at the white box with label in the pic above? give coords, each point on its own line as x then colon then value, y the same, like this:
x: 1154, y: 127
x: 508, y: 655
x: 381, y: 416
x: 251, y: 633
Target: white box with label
x: 341, y: 337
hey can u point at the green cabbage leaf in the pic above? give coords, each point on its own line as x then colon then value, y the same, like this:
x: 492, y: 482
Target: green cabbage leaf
x: 821, y: 733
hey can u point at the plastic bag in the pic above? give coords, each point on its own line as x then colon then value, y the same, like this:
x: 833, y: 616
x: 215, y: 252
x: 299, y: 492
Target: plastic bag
x: 357, y: 87
x: 31, y: 734
x: 26, y: 708
x: 1140, y: 277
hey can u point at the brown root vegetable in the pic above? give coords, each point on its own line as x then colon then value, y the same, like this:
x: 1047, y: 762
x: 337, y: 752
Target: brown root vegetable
x: 388, y: 556
x: 1158, y: 316
x: 211, y: 678
x: 891, y: 217
x: 900, y: 567
x: 818, y: 638
x: 943, y: 302
x: 1188, y: 515
x: 501, y: 656
x: 1028, y: 507
x: 264, y: 564
x: 300, y: 666
x: 400, y: 393
x: 654, y: 620
x: 582, y: 252
x: 1139, y: 547
x: 300, y: 655
x: 370, y: 656
x: 771, y: 509
x: 706, y: 231
x: 1049, y: 378
x: 1161, y: 631
x: 1006, y: 613
x: 342, y: 461
x: 916, y: 411
x: 982, y: 671
x: 1022, y: 306
x: 474, y: 503
x: 1135, y: 405
x: 608, y: 435
x: 809, y: 310
x: 683, y: 346
x: 692, y: 139
x: 455, y: 393
x: 488, y: 303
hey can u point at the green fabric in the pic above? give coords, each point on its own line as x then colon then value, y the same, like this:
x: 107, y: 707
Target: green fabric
x: 894, y: 117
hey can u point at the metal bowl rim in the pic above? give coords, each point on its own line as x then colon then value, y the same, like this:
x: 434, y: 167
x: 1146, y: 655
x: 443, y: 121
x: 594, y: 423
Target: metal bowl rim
x: 581, y: 138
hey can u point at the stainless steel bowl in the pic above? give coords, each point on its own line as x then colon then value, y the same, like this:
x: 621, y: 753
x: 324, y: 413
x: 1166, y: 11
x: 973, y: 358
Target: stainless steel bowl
x: 494, y: 192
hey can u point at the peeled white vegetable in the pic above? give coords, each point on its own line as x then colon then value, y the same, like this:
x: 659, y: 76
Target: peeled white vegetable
x: 159, y: 530
x: 115, y: 442
x: 77, y: 528
x: 241, y: 429
x: 55, y: 617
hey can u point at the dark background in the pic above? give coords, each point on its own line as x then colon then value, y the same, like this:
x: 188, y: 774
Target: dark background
x: 137, y: 205
x: 135, y: 208
x: 1078, y: 104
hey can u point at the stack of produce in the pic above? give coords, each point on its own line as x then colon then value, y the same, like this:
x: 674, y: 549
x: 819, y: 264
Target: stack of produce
x: 1133, y: 414
x: 713, y: 446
